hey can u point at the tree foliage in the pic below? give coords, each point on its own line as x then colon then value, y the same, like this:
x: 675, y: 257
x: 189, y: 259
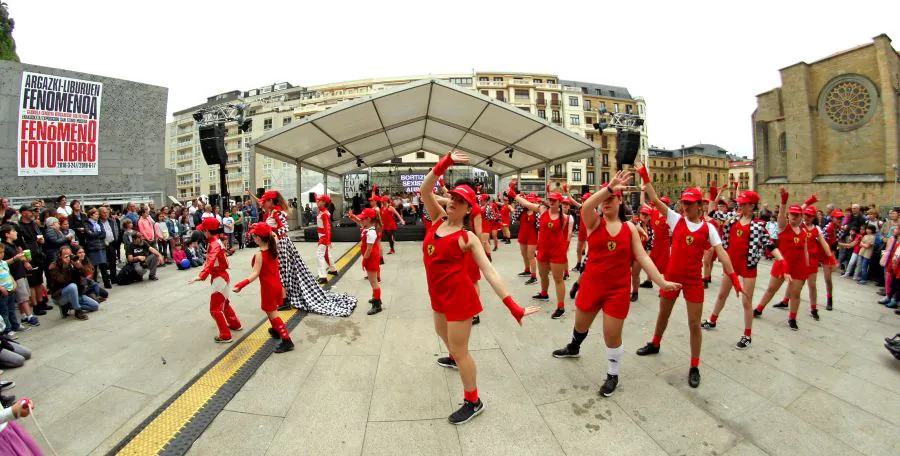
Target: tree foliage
x: 7, y: 43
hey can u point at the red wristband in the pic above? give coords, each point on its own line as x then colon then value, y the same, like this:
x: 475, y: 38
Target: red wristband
x: 713, y: 193
x: 441, y: 167
x: 243, y: 283
x: 645, y: 176
x: 736, y: 282
x: 516, y: 310
x: 784, y: 198
x: 812, y: 200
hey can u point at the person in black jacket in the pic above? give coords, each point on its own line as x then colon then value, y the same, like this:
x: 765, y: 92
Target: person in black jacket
x: 77, y: 222
x: 32, y: 238
x: 64, y: 278
x: 54, y: 239
x: 112, y: 230
x: 95, y: 246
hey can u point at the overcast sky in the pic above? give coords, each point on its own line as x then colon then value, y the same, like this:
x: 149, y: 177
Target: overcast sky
x: 698, y: 64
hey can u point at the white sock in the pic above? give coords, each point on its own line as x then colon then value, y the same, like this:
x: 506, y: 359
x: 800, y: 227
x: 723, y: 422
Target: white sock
x: 614, y: 359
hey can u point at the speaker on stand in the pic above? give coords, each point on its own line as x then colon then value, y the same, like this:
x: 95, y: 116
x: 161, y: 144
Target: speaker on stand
x: 627, y: 145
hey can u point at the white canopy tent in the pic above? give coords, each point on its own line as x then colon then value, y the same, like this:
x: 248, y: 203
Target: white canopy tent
x: 430, y: 115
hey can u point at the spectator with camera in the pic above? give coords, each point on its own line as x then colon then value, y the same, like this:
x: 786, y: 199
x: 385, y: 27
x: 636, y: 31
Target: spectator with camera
x: 142, y: 258
x: 88, y: 272
x: 66, y: 286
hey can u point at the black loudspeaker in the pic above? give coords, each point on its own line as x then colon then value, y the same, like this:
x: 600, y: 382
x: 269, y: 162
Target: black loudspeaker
x: 585, y: 189
x: 212, y: 143
x: 260, y: 191
x: 214, y: 199
x: 312, y: 197
x: 627, y: 145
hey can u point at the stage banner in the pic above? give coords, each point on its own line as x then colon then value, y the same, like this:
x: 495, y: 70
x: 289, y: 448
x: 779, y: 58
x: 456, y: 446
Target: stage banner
x: 352, y: 184
x: 59, y: 126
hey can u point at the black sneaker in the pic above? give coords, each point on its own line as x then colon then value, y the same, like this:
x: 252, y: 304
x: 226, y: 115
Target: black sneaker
x: 557, y: 313
x: 530, y: 281
x: 495, y: 249
x: 781, y: 305
x: 708, y: 324
x: 447, y: 361
x: 541, y: 297
x: 286, y: 345
x: 154, y: 278
x: 524, y: 274
x: 38, y: 311
x: 609, y: 386
x: 646, y: 284
x: 574, y: 290
x: 7, y: 401
x: 757, y: 313
x: 634, y: 297
x: 694, y: 377
x: 333, y: 272
x: 566, y: 276
x: 376, y: 307
x: 465, y: 413
x: 322, y: 280
x: 219, y: 340
x: 705, y: 284
x: 815, y: 314
x: 569, y: 351
x: 744, y: 343
x: 476, y: 319
x: 274, y: 333
x: 793, y: 325
x: 7, y: 384
x: 648, y: 349
x: 828, y: 305
x: 575, y: 269
x: 284, y: 307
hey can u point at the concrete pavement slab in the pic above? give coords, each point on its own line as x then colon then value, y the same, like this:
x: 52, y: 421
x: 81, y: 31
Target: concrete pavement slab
x: 235, y: 433
x: 431, y: 437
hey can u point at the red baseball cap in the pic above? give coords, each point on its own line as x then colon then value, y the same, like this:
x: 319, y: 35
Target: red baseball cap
x: 368, y: 213
x: 484, y: 197
x: 795, y: 209
x: 466, y: 193
x: 374, y: 198
x: 692, y: 195
x: 385, y: 199
x: 585, y: 196
x: 810, y: 210
x: 555, y: 196
x: 837, y: 213
x: 645, y: 210
x: 209, y: 224
x: 532, y: 197
x: 666, y: 200
x: 268, y: 195
x: 567, y: 200
x: 748, y: 196
x: 260, y: 229
x: 325, y: 198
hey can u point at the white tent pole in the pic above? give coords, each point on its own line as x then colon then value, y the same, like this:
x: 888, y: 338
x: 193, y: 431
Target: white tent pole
x: 546, y: 180
x: 299, y: 172
x: 597, y: 174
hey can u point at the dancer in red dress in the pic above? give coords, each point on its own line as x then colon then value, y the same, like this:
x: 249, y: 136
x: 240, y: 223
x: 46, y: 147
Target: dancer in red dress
x: 265, y: 268
x: 614, y: 245
x: 528, y: 236
x: 745, y: 239
x: 551, y: 245
x: 792, y: 242
x: 567, y: 204
x: 371, y: 256
x: 662, y: 243
x: 691, y: 236
x: 389, y: 217
x: 645, y: 232
x: 323, y: 230
x: 453, y: 297
x: 216, y: 268
x: 505, y: 220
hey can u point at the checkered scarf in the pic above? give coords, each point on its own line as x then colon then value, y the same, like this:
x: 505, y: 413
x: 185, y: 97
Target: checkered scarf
x: 758, y: 239
x: 650, y: 235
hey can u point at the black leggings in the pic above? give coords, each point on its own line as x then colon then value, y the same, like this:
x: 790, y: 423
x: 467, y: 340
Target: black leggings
x: 389, y: 235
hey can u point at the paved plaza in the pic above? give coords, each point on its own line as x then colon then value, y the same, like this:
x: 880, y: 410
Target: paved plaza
x: 370, y: 385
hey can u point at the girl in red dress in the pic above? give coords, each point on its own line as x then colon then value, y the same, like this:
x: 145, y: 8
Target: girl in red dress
x: 528, y: 236
x: 552, y: 256
x: 388, y: 214
x: 453, y: 297
x: 567, y: 213
x: 660, y: 250
x: 691, y: 236
x: 371, y: 255
x: 614, y: 245
x: 265, y: 268
x: 745, y: 239
x: 505, y: 221
x: 792, y: 242
x: 646, y: 235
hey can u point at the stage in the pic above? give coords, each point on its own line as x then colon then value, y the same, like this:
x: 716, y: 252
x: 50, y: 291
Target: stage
x: 408, y: 232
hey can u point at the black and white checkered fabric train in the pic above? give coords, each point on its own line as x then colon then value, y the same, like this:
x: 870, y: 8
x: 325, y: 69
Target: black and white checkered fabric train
x: 302, y: 288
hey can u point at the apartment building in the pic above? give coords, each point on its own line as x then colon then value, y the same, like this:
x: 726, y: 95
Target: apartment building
x: 673, y: 170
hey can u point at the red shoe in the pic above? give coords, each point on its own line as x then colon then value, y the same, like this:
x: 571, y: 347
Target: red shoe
x: 391, y: 252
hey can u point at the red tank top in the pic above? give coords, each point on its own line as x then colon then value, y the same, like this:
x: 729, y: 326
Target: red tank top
x: 552, y: 232
x: 660, y: 230
x: 526, y: 221
x: 269, y: 277
x: 739, y: 241
x: 791, y: 243
x: 504, y: 214
x: 686, y: 262
x: 444, y: 259
x: 376, y: 249
x: 388, y: 220
x: 610, y: 256
x: 812, y: 241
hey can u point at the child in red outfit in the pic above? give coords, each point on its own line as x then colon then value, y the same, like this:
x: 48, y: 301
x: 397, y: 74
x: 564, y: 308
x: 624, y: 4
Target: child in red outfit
x: 265, y: 267
x: 371, y: 255
x: 216, y: 268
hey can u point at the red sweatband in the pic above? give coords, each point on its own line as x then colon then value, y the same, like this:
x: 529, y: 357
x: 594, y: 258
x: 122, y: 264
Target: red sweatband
x: 511, y: 193
x: 516, y: 310
x: 644, y: 174
x: 713, y: 193
x: 441, y: 167
x: 812, y: 200
x: 243, y: 283
x: 736, y: 282
x: 784, y: 198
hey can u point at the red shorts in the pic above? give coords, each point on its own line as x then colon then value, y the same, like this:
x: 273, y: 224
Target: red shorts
x: 614, y: 303
x: 693, y: 291
x: 461, y: 305
x: 798, y: 269
x: 528, y: 236
x: 554, y: 255
x: 471, y: 268
x: 740, y: 267
x: 373, y: 264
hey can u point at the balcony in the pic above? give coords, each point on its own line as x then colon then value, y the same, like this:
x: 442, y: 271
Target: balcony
x: 185, y: 145
x: 554, y: 103
x: 572, y: 89
x: 185, y: 120
x: 503, y: 99
x: 522, y: 82
x: 522, y: 100
x: 308, y: 109
x: 489, y: 84
x: 232, y: 177
x: 184, y: 157
x: 557, y: 121
x: 545, y: 86
x: 181, y: 132
x: 541, y: 102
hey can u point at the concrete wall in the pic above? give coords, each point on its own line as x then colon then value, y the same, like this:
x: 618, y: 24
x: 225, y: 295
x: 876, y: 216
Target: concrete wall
x: 131, y: 154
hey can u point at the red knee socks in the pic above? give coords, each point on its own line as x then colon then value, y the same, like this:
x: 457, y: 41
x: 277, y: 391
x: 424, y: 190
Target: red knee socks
x: 713, y: 318
x: 812, y: 307
x: 695, y: 362
x: 560, y: 305
x: 656, y: 340
x: 376, y: 293
x: 278, y: 325
x: 792, y: 316
x: 747, y: 332
x: 471, y: 396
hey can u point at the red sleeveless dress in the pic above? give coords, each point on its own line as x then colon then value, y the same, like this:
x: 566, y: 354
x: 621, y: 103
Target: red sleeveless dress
x: 686, y: 261
x: 452, y: 292
x: 269, y: 282
x: 606, y: 284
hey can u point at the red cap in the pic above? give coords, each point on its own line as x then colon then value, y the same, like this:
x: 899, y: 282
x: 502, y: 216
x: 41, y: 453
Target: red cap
x: 666, y: 200
x: 613, y: 193
x: 368, y: 213
x: 260, y: 229
x: 748, y: 196
x: 209, y: 224
x: 645, y: 210
x: 795, y: 209
x: 484, y: 197
x: 325, y: 198
x: 555, y: 196
x: 532, y: 197
x: 692, y: 195
x: 837, y: 213
x: 567, y: 200
x: 810, y: 210
x: 585, y: 196
x: 385, y: 199
x: 374, y: 198
x: 466, y: 193
x: 268, y: 195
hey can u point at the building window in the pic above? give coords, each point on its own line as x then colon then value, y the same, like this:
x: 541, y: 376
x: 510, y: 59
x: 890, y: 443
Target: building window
x: 708, y: 180
x: 267, y: 182
x: 584, y: 90
x: 485, y: 93
x: 500, y: 95
x: 542, y: 113
x: 551, y: 81
x: 628, y: 109
x: 285, y: 121
x: 420, y: 155
x: 589, y: 121
x: 604, y: 176
x: 522, y: 94
x: 654, y: 177
x: 573, y: 101
x: 605, y: 161
x: 461, y: 81
x: 555, y: 115
x: 525, y: 108
x: 557, y: 170
x: 498, y: 79
x: 575, y: 119
x: 576, y: 174
x: 782, y: 142
x: 641, y: 109
x: 603, y: 106
x: 612, y: 93
x: 587, y: 105
x: 689, y: 178
x: 538, y: 81
x: 604, y: 141
x: 483, y: 78
x: 589, y: 136
x: 591, y: 161
x: 615, y: 107
x: 590, y: 178
x: 267, y: 124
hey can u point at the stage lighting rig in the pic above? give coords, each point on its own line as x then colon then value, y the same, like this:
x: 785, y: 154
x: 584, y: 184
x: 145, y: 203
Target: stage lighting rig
x: 224, y: 113
x: 359, y: 162
x: 508, y: 151
x: 490, y: 163
x: 617, y: 120
x: 341, y: 151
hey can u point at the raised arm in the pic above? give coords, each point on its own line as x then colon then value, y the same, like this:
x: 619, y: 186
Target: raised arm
x: 435, y: 211
x: 651, y: 192
x: 782, y: 217
x: 490, y: 274
x: 589, y: 208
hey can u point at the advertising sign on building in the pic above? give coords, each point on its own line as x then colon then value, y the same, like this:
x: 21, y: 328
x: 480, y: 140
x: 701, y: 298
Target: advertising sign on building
x: 59, y: 126
x: 352, y: 184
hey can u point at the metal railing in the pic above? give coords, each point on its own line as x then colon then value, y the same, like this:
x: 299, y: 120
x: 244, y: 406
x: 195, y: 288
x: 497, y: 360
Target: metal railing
x: 490, y: 83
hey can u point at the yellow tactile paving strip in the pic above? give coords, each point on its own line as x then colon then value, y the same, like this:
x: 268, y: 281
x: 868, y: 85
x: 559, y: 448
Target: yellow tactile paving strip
x: 168, y: 423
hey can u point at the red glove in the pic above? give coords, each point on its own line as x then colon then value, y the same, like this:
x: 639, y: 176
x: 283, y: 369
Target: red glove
x: 645, y: 176
x: 812, y: 200
x: 441, y: 167
x: 516, y: 310
x: 713, y: 193
x: 240, y: 285
x: 511, y: 193
x: 478, y: 190
x: 784, y: 198
x: 736, y: 282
